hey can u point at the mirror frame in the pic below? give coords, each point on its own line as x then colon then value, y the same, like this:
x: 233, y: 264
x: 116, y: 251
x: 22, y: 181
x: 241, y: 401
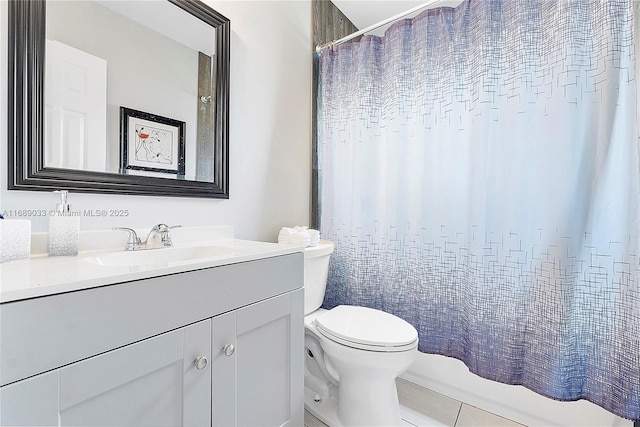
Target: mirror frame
x: 27, y: 22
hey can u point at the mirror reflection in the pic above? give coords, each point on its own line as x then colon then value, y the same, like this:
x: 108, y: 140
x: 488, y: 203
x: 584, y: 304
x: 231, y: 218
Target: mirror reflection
x: 118, y: 130
x: 103, y: 57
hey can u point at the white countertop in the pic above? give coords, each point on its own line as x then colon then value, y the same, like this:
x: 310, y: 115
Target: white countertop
x: 42, y: 275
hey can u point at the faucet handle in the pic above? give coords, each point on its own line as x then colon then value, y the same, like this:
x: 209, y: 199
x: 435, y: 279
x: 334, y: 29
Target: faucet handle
x: 161, y: 231
x: 134, y: 240
x: 164, y: 227
x: 166, y: 237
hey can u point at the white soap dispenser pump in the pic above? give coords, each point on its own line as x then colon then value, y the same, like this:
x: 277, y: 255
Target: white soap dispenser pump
x: 64, y: 229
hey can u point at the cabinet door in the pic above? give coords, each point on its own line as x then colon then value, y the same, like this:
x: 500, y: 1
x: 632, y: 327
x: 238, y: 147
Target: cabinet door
x: 268, y: 340
x: 270, y: 364
x: 151, y: 383
x: 30, y: 402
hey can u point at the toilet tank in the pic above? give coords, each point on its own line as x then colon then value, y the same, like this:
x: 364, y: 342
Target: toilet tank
x: 316, y: 270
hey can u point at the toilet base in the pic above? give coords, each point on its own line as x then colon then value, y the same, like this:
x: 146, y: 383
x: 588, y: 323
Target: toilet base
x: 325, y: 409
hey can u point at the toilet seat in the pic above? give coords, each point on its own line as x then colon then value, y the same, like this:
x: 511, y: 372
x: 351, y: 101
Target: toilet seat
x: 367, y: 329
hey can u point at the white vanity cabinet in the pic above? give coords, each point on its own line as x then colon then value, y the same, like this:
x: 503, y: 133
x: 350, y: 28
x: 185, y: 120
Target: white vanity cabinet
x: 220, y: 346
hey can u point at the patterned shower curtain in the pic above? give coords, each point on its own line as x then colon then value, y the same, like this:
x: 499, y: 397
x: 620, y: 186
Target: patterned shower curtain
x: 480, y: 179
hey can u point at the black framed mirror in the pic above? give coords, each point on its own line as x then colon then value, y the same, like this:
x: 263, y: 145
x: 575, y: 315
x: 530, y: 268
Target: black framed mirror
x: 30, y: 167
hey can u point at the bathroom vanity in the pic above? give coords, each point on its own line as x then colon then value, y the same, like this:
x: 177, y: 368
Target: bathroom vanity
x: 213, y: 340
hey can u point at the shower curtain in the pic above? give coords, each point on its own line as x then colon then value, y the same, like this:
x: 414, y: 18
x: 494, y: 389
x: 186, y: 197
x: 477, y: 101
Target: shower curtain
x: 480, y: 178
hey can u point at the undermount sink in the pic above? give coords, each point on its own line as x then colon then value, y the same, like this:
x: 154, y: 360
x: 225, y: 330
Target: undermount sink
x: 160, y: 256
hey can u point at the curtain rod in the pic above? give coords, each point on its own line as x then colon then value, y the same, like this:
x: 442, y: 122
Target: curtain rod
x: 374, y: 26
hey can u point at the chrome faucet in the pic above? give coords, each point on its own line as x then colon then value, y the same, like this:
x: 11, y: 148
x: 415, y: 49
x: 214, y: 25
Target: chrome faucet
x: 157, y: 238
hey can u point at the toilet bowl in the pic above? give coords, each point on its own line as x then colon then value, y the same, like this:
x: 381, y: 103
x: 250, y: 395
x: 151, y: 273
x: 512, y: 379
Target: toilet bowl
x: 353, y: 354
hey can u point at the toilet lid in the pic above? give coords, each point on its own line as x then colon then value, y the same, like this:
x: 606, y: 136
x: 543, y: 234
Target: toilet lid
x: 367, y: 328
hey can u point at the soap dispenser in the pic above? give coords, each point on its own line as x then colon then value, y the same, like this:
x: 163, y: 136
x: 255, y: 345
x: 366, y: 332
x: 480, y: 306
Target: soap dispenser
x: 64, y: 229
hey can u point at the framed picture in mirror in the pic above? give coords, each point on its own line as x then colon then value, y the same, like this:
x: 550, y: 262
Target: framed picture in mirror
x: 151, y: 143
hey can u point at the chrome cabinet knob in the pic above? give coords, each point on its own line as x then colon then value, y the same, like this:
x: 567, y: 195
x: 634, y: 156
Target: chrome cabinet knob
x: 228, y: 350
x: 201, y: 362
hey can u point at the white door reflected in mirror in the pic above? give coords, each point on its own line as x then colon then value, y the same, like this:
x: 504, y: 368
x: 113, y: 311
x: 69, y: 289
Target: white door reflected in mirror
x: 76, y: 109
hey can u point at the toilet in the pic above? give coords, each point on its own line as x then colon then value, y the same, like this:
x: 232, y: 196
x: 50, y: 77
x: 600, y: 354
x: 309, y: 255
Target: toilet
x: 352, y: 354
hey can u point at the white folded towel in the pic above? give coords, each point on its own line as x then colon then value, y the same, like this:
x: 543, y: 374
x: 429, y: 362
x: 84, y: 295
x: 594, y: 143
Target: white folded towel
x: 299, y: 235
x: 314, y: 237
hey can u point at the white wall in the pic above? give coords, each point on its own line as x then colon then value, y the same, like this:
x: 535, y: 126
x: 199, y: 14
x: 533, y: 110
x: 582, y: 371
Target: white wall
x: 452, y: 378
x: 270, y: 134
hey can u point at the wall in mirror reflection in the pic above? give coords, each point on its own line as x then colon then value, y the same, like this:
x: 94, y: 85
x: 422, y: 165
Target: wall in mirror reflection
x: 100, y: 59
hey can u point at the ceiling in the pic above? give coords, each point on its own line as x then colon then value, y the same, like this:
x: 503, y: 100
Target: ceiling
x: 364, y: 13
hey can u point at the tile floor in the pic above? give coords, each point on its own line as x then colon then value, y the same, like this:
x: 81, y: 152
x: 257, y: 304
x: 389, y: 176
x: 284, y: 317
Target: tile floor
x: 425, y: 408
